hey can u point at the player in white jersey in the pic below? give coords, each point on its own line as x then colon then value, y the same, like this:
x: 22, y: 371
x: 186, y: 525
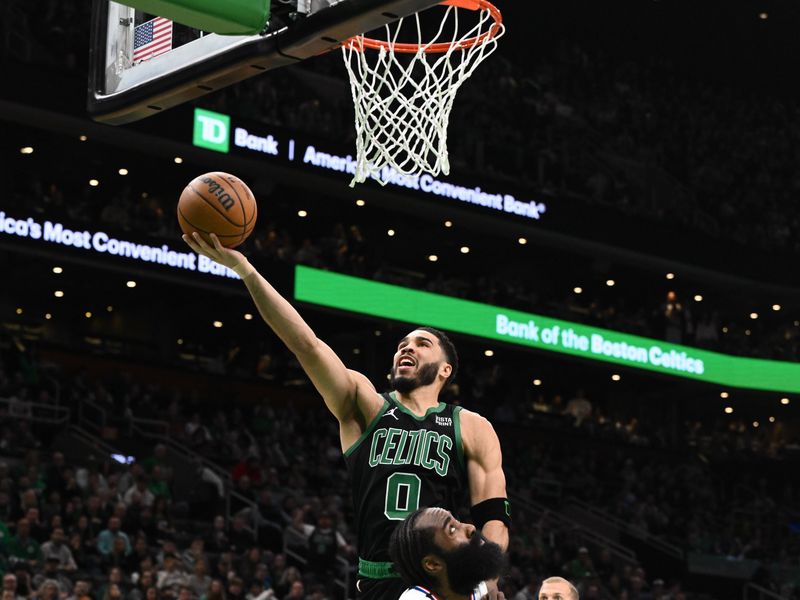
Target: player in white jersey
x: 441, y: 558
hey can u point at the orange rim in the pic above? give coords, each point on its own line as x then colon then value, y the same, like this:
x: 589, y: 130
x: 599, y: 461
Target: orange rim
x: 359, y: 41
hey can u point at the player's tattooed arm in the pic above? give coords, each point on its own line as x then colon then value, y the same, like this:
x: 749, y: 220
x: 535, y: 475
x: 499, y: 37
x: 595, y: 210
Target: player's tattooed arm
x: 348, y: 395
x: 485, y: 469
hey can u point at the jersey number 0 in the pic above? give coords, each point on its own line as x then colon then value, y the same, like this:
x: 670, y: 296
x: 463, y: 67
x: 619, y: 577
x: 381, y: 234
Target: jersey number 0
x: 402, y: 495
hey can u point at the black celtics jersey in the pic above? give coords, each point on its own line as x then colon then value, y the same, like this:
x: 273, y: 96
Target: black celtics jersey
x: 400, y: 463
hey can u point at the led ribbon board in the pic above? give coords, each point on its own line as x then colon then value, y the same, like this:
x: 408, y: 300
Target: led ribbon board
x: 377, y: 299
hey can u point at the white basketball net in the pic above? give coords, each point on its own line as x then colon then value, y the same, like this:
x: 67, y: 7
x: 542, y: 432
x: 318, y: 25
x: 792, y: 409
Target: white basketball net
x: 402, y: 108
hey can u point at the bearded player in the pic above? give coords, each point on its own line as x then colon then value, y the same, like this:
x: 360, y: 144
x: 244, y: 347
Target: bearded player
x: 441, y: 558
x: 404, y: 449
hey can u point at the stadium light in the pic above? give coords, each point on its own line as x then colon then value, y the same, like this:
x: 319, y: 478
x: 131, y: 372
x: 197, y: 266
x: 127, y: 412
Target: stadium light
x: 390, y: 233
x: 610, y: 283
x: 58, y: 294
x: 577, y: 290
x: 615, y: 377
x: 123, y: 171
x: 58, y: 270
x: 754, y: 315
x: 488, y: 353
x: 756, y: 424
x: 537, y: 382
x: 360, y: 202
x: 698, y: 297
x: 448, y: 223
x: 522, y: 241
x: 131, y: 284
x: 728, y: 410
x: 94, y: 182
x: 776, y: 307
x: 248, y: 317
x: 302, y: 213
x: 724, y: 395
x: 464, y: 249
x: 48, y: 316
x: 785, y: 401
x: 772, y: 419
x: 88, y: 314
x: 83, y: 138
x: 178, y: 160
x: 19, y: 311
x: 217, y: 324
x: 26, y: 150
x: 433, y: 258
x: 670, y: 276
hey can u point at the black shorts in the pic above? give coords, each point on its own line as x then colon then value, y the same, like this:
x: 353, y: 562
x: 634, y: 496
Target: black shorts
x: 380, y: 589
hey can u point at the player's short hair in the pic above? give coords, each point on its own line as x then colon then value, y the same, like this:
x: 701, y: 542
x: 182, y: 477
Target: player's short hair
x: 408, y: 545
x: 449, y: 350
x: 573, y: 591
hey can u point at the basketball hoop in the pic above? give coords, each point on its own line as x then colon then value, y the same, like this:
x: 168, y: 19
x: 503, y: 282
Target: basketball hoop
x: 403, y: 95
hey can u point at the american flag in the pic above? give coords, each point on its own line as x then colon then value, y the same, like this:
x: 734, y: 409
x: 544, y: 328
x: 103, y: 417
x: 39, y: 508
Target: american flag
x: 152, y: 38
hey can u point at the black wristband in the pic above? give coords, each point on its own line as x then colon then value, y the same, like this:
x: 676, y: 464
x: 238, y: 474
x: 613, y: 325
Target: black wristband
x: 494, y: 509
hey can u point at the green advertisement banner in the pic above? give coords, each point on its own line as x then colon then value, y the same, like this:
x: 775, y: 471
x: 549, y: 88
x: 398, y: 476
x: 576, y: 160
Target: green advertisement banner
x: 393, y: 302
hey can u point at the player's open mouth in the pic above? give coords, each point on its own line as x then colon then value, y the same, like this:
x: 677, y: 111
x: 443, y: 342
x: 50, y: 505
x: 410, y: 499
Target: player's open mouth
x: 406, y: 363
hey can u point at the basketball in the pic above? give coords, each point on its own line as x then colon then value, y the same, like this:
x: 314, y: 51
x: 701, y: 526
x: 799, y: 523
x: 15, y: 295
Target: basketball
x: 218, y: 203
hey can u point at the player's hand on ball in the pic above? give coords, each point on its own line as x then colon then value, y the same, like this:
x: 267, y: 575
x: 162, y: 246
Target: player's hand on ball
x: 216, y: 251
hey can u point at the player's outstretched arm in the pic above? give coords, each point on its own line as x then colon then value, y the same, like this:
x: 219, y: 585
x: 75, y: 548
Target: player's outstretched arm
x: 338, y: 385
x: 487, y: 480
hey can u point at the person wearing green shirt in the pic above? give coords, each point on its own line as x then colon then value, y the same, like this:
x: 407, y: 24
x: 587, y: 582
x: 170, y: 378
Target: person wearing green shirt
x: 23, y: 546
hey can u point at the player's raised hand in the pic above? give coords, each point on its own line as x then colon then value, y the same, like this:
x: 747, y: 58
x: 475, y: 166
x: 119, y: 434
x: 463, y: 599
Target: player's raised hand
x: 216, y: 251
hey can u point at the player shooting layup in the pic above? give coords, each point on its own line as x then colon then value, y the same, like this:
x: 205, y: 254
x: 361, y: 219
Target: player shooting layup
x: 405, y: 449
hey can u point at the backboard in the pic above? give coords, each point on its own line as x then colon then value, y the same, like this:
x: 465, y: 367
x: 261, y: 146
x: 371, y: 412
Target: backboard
x: 179, y: 63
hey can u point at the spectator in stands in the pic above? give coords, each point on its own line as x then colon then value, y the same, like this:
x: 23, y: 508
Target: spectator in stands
x: 48, y: 590
x: 529, y: 592
x: 142, y: 583
x: 58, y: 549
x: 241, y: 538
x: 113, y: 592
x: 297, y: 591
x: 23, y: 547
x: 218, y: 540
x: 194, y: 553
x: 10, y: 586
x: 257, y: 591
x: 159, y: 458
x: 199, y: 580
x: 139, y: 494
x: 235, y: 589
x: 580, y: 567
x: 171, y: 578
x: 249, y: 467
x: 159, y: 486
x: 115, y: 577
x: 105, y: 541
x: 323, y: 545
x: 51, y: 573
x: 81, y: 591
x: 249, y: 563
x: 141, y: 552
x: 118, y: 556
x: 216, y: 591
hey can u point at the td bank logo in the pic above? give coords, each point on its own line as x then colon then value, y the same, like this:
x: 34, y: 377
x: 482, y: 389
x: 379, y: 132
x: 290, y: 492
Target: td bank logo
x: 211, y: 130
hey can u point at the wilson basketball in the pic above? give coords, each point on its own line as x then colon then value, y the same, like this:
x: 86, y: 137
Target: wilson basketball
x: 218, y: 203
